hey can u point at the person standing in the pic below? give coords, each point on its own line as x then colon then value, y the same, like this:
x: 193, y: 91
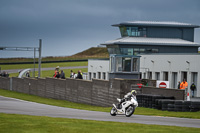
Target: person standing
x: 62, y: 74
x: 192, y: 88
x: 183, y: 84
x: 71, y: 74
x: 179, y: 83
x: 79, y: 75
x: 28, y: 74
x: 74, y: 75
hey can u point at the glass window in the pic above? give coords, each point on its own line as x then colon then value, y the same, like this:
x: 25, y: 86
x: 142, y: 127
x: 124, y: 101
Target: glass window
x: 126, y: 64
x: 157, y: 74
x: 123, y: 31
x: 113, y: 50
x: 154, y: 50
x: 123, y: 64
x: 99, y: 75
x: 94, y: 75
x: 90, y: 76
x: 126, y: 51
x: 136, y: 49
x: 104, y: 75
x: 118, y: 64
x: 112, y: 67
x: 133, y: 31
x: 135, y: 64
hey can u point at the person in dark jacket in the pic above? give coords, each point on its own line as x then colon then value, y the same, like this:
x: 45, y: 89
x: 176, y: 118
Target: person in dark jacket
x: 179, y: 83
x: 57, y: 75
x: 192, y: 88
x: 79, y: 75
x: 62, y: 75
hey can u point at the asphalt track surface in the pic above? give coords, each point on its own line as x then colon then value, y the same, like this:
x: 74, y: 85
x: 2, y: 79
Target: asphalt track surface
x: 16, y: 106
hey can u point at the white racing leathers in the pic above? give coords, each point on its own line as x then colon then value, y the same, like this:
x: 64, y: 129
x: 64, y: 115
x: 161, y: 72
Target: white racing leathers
x: 126, y: 106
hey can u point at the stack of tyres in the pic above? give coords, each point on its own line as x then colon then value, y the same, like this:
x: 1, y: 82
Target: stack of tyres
x: 149, y: 102
x: 165, y: 104
x: 159, y: 104
x: 186, y: 106
x: 170, y: 107
x: 178, y: 104
x: 145, y: 102
x: 139, y: 100
x: 195, y: 106
x: 154, y: 97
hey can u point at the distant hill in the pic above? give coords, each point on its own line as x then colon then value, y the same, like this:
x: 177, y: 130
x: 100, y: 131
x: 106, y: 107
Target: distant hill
x: 94, y: 52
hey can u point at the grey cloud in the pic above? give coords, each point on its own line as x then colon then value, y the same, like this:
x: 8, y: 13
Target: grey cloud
x: 80, y: 24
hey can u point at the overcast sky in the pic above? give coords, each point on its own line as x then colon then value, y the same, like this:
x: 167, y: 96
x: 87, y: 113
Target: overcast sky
x: 67, y: 27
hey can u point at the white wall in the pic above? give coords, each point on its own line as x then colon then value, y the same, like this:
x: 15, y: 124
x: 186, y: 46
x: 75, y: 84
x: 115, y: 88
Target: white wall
x: 172, y: 63
x: 98, y: 66
x: 158, y: 63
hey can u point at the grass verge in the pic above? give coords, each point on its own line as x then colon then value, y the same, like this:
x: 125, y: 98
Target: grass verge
x: 44, y: 65
x: 64, y: 103
x: 13, y: 123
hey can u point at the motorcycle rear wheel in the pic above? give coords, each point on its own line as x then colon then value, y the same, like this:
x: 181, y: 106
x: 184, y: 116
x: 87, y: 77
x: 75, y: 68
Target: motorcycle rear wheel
x: 113, y: 111
x: 129, y: 111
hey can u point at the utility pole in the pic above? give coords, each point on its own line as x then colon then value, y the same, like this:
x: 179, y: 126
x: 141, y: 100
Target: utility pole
x: 34, y: 64
x: 39, y: 59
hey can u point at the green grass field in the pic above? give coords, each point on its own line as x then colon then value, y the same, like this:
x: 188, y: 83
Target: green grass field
x: 13, y: 123
x: 44, y: 65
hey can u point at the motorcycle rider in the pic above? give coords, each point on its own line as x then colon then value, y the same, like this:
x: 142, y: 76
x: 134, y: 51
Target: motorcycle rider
x: 127, y: 97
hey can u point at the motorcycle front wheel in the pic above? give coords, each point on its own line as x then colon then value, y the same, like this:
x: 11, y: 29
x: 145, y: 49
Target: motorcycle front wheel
x: 113, y: 111
x: 129, y: 111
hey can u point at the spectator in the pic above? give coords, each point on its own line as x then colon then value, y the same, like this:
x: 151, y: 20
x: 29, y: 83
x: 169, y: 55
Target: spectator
x: 58, y: 68
x: 179, y: 83
x: 4, y: 74
x: 71, y: 74
x: 7, y: 75
x: 62, y: 75
x: 75, y: 75
x: 79, y: 76
x: 57, y: 75
x: 81, y: 72
x: 183, y: 85
x: 192, y: 88
x: 28, y: 74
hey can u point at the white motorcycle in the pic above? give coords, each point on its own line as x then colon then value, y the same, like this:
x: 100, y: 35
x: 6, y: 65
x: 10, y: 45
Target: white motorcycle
x: 127, y: 107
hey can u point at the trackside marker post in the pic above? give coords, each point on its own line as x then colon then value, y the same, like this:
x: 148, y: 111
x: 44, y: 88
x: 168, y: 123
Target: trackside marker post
x: 188, y: 96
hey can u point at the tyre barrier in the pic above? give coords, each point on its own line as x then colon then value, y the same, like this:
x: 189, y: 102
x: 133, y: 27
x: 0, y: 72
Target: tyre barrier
x: 167, y: 103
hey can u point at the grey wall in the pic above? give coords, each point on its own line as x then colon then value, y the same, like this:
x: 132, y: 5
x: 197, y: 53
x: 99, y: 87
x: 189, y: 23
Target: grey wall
x: 167, y: 32
x: 96, y: 92
x: 178, y: 94
x: 5, y: 83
